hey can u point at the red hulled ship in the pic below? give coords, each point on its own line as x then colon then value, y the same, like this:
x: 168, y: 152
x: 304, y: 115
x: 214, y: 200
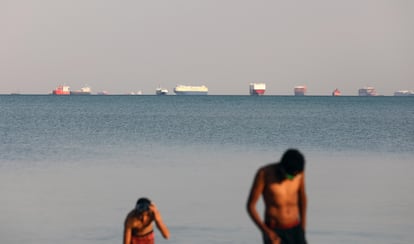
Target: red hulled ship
x: 61, y: 90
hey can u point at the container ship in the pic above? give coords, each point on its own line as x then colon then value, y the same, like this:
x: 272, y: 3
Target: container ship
x: 299, y: 90
x: 336, y: 92
x: 190, y: 90
x: 257, y: 89
x: 367, y: 91
x: 83, y: 91
x: 161, y: 91
x: 61, y: 90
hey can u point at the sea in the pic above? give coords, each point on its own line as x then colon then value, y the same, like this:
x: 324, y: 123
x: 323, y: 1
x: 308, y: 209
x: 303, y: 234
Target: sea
x: 72, y: 167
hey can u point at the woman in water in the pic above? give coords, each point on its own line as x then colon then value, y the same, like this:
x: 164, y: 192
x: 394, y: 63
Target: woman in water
x: 138, y: 223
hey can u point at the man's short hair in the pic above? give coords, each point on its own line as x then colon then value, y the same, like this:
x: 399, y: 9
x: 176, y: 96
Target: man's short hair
x: 293, y: 161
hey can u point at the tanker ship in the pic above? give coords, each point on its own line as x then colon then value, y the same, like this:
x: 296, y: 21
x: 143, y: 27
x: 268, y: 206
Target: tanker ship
x: 190, y: 90
x: 61, y: 90
x: 299, y: 90
x: 257, y: 89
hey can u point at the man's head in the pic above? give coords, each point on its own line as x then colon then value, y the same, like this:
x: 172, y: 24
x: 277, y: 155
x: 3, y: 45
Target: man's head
x: 292, y: 162
x: 142, y: 205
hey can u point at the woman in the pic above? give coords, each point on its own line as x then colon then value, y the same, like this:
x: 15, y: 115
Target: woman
x: 138, y: 223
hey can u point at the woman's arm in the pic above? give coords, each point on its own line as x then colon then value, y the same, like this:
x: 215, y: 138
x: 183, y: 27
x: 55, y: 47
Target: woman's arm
x: 127, y: 231
x: 159, y: 222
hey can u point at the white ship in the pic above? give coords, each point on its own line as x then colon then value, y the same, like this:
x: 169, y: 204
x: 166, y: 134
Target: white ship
x: 404, y: 93
x: 367, y: 91
x: 190, y: 90
x: 257, y: 88
x: 161, y: 91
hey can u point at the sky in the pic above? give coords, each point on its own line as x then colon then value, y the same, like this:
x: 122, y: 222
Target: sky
x: 129, y: 46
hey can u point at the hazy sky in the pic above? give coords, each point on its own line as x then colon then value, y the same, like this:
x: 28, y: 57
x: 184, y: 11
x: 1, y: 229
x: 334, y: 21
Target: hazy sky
x: 124, y: 46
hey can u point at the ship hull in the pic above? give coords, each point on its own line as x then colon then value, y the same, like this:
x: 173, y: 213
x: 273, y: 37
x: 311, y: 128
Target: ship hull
x: 76, y: 93
x: 299, y: 94
x: 257, y: 92
x: 56, y: 92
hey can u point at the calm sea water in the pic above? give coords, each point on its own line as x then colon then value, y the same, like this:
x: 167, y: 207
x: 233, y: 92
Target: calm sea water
x: 72, y: 167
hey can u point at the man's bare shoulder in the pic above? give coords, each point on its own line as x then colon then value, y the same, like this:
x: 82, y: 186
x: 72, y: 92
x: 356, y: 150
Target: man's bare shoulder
x: 268, y: 167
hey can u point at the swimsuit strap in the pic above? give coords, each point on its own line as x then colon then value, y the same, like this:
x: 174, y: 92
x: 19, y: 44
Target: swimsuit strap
x: 134, y: 233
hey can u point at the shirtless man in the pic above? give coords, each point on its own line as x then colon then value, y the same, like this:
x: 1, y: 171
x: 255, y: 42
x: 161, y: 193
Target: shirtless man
x: 282, y: 186
x: 138, y: 227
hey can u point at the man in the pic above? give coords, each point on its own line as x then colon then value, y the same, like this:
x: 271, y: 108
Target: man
x: 138, y: 227
x: 282, y: 186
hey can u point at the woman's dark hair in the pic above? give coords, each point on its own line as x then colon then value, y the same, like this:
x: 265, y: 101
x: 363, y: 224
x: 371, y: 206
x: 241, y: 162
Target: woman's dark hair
x: 293, y: 161
x: 142, y: 205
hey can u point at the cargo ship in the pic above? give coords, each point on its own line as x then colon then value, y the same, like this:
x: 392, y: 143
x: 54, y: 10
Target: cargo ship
x: 257, y: 89
x: 161, y: 91
x: 61, y: 90
x: 404, y: 93
x: 336, y: 92
x: 190, y: 90
x: 367, y: 91
x: 299, y: 90
x: 86, y: 90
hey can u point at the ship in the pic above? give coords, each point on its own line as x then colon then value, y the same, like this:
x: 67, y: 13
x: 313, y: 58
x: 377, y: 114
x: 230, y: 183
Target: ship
x: 61, y: 90
x: 299, y: 90
x: 102, y: 93
x: 404, y: 93
x: 161, y: 91
x: 135, y: 93
x: 367, y: 91
x: 190, y: 90
x: 257, y: 89
x: 336, y: 92
x: 86, y: 90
